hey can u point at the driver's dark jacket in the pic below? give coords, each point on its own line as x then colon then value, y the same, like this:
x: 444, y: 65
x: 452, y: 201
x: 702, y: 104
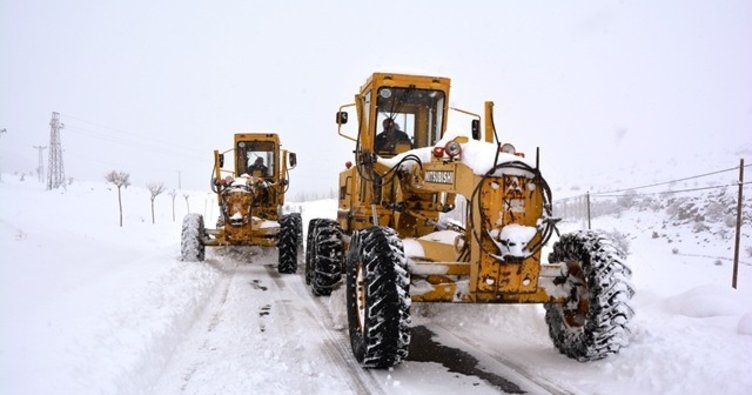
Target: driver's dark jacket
x: 386, y: 141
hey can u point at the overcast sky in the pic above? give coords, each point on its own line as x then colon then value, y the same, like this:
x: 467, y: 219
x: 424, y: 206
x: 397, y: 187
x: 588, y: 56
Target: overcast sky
x: 152, y: 87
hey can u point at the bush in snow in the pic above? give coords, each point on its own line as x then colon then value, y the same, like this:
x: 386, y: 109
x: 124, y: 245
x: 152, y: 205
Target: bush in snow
x: 628, y: 199
x: 620, y: 240
x: 700, y: 227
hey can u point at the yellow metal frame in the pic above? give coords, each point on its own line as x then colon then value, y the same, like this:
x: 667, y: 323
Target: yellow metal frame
x: 251, y: 232
x: 469, y: 274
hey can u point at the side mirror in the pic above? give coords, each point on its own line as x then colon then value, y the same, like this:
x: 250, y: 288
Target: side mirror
x: 475, y: 129
x: 221, y: 160
x: 293, y: 160
x: 341, y: 117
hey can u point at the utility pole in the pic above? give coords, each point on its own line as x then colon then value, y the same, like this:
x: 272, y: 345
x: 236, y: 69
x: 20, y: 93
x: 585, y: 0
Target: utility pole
x: 55, y: 168
x: 739, y: 207
x: 40, y: 167
x: 3, y: 130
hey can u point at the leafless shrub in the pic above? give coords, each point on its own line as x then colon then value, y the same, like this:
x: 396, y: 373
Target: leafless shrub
x: 120, y: 179
x: 155, y: 189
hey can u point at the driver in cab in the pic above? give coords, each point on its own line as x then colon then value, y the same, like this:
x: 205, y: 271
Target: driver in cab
x: 258, y: 169
x: 392, y: 139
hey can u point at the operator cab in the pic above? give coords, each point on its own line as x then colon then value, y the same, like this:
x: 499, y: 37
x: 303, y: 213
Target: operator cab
x: 255, y: 158
x: 406, y: 118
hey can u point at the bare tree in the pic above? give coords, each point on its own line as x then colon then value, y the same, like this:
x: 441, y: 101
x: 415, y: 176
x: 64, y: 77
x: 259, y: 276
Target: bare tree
x: 155, y: 188
x: 172, y: 194
x: 120, y: 179
x: 187, y: 203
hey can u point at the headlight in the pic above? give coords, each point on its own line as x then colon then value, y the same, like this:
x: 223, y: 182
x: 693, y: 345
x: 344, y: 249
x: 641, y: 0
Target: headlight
x: 507, y: 149
x: 453, y: 149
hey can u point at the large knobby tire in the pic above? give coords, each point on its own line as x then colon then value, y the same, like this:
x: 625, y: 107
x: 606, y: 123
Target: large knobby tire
x: 287, y: 245
x: 191, y: 238
x: 595, y: 321
x: 378, y: 298
x: 324, y: 257
x: 298, y: 225
x: 309, y: 250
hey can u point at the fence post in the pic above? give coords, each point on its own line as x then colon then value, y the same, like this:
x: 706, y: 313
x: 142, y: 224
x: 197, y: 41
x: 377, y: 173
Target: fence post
x: 738, y: 223
x: 587, y: 196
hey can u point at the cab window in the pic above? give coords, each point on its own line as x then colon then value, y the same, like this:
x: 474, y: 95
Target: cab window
x: 255, y: 158
x: 417, y: 112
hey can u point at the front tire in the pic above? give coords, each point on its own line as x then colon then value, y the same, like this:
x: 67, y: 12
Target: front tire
x: 324, y: 262
x: 378, y: 298
x: 192, y: 247
x: 287, y: 245
x: 594, y: 322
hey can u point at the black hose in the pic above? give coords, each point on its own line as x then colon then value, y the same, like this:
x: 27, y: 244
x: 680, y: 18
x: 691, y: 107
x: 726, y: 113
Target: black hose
x: 549, y: 224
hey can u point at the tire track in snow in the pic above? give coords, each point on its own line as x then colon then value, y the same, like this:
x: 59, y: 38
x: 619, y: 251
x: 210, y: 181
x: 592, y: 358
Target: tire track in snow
x: 256, y: 335
x: 224, y: 286
x: 502, y: 365
x: 493, y: 371
x: 335, y: 346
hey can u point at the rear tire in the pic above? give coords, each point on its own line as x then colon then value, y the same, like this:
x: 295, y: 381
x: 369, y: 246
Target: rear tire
x: 594, y: 323
x: 324, y: 259
x: 287, y: 245
x: 192, y: 247
x: 378, y: 298
x: 298, y: 225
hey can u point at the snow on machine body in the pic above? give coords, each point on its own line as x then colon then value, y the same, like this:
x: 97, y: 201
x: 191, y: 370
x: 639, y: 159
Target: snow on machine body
x: 250, y: 198
x: 393, y: 247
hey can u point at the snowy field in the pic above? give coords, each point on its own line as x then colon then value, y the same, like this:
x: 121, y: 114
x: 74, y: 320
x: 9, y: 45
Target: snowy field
x: 88, y: 307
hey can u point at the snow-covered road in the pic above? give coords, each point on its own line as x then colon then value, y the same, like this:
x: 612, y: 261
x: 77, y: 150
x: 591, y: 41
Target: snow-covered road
x: 256, y: 334
x: 264, y: 332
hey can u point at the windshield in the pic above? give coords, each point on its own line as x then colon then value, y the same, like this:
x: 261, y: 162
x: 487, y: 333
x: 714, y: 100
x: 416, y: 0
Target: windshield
x: 256, y: 158
x: 418, y: 113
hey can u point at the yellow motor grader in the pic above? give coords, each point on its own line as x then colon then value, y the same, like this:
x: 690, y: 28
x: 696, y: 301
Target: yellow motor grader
x: 250, y: 197
x: 394, y: 245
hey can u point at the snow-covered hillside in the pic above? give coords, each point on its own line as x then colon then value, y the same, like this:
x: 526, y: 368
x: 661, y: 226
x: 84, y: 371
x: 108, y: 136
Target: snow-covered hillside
x: 89, y: 307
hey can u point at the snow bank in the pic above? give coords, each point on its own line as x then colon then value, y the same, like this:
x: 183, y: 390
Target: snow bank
x: 705, y: 301
x: 91, y: 307
x: 745, y: 325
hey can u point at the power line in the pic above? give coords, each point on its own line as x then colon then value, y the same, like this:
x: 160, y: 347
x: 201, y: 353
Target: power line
x: 150, y: 145
x: 668, y: 182
x: 676, y: 191
x: 168, y: 144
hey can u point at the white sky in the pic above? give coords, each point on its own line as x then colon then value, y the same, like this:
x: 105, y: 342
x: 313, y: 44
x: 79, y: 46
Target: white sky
x: 151, y: 87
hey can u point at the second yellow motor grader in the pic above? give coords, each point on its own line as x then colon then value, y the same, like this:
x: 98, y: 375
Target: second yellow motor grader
x: 250, y: 197
x: 394, y: 247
